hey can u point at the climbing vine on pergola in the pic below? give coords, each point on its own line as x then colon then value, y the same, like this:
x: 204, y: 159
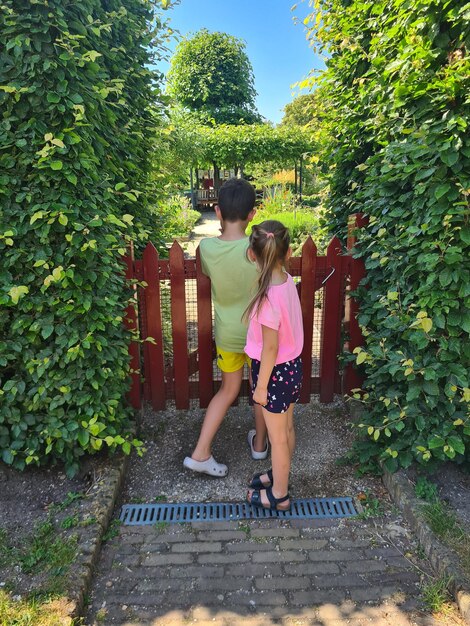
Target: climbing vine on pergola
x: 239, y: 146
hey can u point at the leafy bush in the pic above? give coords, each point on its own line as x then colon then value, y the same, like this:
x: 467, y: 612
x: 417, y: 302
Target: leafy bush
x: 398, y: 148
x: 177, y: 217
x: 76, y: 131
x: 301, y: 223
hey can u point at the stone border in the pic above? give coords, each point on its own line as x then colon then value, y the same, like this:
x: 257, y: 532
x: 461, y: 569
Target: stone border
x: 100, y: 506
x: 443, y: 560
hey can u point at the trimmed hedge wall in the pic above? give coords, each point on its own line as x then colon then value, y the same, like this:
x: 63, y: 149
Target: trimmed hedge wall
x: 396, y: 143
x: 76, y: 131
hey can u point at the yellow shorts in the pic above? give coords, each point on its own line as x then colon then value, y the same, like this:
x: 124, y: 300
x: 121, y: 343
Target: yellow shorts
x: 231, y: 361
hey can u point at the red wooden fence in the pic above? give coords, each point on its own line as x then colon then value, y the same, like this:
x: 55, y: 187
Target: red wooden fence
x: 183, y: 373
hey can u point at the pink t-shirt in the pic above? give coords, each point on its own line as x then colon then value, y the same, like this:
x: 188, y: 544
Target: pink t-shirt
x: 280, y: 311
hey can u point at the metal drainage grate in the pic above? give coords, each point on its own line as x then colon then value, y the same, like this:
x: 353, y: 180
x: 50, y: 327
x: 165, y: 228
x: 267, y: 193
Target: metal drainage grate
x: 313, y: 508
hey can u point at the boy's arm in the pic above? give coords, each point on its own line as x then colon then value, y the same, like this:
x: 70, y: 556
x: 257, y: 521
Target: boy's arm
x: 204, y: 269
x: 268, y: 361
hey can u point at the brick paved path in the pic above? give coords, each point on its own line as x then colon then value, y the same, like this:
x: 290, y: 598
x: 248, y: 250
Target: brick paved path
x: 260, y: 573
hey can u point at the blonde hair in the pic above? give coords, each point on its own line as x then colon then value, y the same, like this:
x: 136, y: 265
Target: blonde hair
x: 269, y: 242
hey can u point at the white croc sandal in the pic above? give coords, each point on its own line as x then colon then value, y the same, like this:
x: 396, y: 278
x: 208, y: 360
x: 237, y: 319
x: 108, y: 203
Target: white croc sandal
x: 210, y: 467
x: 257, y: 456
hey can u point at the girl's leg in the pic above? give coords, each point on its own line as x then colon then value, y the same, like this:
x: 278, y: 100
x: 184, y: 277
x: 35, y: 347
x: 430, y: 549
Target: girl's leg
x: 259, y: 442
x: 277, y: 425
x: 291, y: 429
x: 264, y: 478
x: 218, y: 407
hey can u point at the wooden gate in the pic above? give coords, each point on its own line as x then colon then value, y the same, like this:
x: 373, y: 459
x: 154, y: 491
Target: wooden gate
x: 177, y: 360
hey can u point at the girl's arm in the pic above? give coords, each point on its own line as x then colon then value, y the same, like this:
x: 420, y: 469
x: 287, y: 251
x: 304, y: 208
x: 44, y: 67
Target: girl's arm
x: 268, y: 361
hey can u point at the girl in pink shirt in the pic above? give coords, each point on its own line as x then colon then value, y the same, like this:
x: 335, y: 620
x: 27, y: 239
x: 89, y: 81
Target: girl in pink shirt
x: 274, y: 344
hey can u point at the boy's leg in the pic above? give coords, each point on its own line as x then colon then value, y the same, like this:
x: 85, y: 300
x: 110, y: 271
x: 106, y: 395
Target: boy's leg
x: 218, y: 407
x: 259, y: 441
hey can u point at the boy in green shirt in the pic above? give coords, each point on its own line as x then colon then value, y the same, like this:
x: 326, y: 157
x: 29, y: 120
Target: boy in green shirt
x: 233, y: 279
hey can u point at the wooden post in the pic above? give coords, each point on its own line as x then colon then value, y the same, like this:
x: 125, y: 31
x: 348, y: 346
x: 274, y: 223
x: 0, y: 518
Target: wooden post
x: 130, y: 322
x: 295, y: 178
x: 352, y: 379
x: 204, y: 335
x: 154, y: 366
x: 307, y: 297
x: 193, y: 195
x: 331, y: 322
x: 179, y: 327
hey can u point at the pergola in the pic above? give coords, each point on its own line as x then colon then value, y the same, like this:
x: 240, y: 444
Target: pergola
x: 235, y: 147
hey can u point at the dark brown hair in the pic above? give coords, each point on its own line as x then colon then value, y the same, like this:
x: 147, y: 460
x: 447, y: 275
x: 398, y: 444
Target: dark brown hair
x: 236, y: 199
x: 269, y: 242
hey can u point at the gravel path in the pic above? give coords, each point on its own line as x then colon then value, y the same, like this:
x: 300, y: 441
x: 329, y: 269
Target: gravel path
x: 323, y: 436
x: 207, y: 226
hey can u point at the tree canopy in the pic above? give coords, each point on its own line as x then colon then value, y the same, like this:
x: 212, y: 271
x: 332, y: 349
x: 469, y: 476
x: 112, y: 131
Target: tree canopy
x: 233, y: 146
x: 302, y: 111
x: 210, y: 73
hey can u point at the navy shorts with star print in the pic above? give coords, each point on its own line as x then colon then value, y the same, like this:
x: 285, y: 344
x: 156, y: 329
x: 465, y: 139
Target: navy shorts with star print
x: 284, y: 384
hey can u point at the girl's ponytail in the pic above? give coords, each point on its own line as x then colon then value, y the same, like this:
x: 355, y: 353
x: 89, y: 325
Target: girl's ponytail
x: 270, y: 243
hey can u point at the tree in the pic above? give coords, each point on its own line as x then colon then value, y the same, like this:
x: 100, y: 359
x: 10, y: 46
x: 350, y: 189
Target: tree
x: 303, y: 111
x: 77, y: 132
x: 211, y: 74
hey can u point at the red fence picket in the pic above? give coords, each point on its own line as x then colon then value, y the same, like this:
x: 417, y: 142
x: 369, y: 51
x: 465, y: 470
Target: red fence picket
x: 130, y: 321
x: 307, y: 295
x: 331, y: 322
x: 357, y: 271
x: 154, y: 356
x: 204, y: 335
x: 179, y: 327
x: 187, y: 376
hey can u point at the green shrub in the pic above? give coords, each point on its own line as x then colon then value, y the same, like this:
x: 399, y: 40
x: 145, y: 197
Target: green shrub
x: 398, y: 149
x: 76, y: 132
x: 176, y: 216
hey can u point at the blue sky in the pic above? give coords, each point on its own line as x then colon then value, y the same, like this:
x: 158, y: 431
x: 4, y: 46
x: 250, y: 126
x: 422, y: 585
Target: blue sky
x: 277, y: 48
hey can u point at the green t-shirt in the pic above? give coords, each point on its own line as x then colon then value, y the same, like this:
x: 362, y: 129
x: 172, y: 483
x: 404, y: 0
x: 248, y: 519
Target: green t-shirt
x: 233, y: 284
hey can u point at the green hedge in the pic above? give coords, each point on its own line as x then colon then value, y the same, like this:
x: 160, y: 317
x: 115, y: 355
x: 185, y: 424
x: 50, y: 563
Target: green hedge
x: 76, y: 134
x: 397, y: 143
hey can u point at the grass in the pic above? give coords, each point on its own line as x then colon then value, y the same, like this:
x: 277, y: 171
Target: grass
x: 372, y: 507
x: 435, y: 593
x: 301, y: 222
x: 161, y: 498
x: 47, y: 553
x: 113, y: 530
x: 5, y: 550
x: 425, y: 489
x: 246, y: 528
x: 32, y: 611
x: 444, y: 523
x: 70, y: 498
x: 70, y: 521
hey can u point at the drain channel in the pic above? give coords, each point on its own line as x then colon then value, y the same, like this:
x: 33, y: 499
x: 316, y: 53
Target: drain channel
x: 313, y: 508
